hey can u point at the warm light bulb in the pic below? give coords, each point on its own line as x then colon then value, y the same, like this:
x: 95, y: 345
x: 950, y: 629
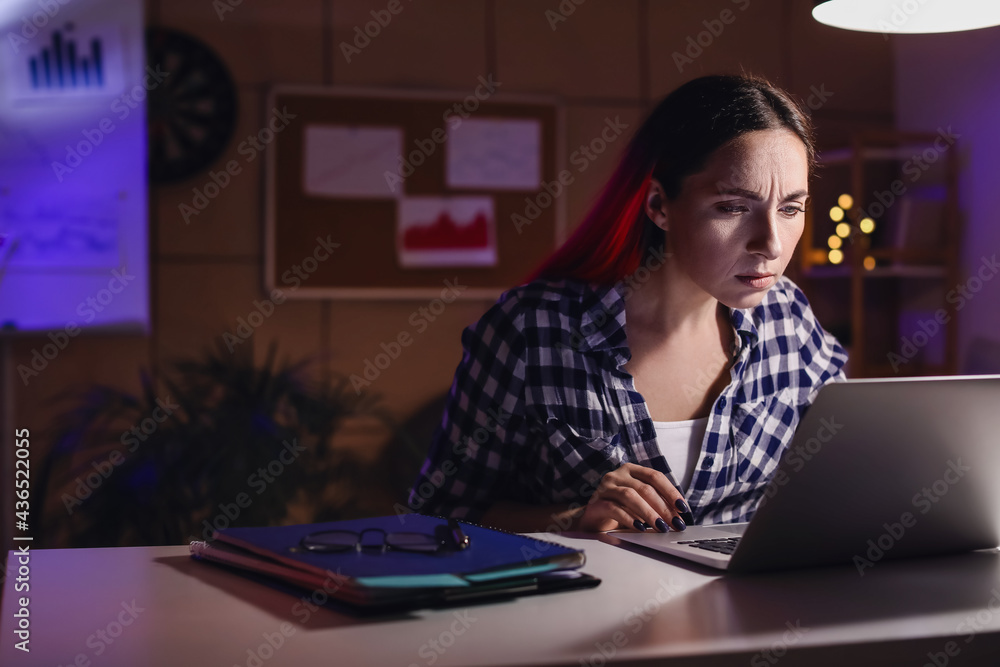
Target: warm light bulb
x: 843, y: 230
x: 893, y: 16
x: 867, y: 225
x: 835, y: 256
x: 836, y: 214
x: 869, y: 262
x: 834, y: 241
x: 845, y: 201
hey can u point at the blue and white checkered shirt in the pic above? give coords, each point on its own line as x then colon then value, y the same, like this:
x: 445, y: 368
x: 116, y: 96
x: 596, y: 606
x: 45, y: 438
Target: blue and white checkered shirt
x: 540, y: 408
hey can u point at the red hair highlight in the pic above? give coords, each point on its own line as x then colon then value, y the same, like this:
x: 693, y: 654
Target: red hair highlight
x: 674, y: 141
x: 607, y: 246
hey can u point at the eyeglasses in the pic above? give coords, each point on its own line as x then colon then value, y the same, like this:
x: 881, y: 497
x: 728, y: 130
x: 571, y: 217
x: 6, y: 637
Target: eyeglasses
x: 446, y: 537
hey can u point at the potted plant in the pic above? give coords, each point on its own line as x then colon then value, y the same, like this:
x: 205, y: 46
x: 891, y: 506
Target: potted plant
x: 221, y: 442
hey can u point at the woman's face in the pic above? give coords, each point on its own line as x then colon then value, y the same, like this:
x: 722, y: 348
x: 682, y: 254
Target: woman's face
x: 735, y: 224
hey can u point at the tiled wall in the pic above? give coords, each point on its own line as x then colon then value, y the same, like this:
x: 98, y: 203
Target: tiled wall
x: 607, y: 58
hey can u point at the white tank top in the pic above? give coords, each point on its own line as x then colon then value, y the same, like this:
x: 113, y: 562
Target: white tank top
x: 680, y: 444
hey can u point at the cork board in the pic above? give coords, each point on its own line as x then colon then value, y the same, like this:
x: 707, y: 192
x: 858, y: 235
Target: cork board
x: 302, y: 207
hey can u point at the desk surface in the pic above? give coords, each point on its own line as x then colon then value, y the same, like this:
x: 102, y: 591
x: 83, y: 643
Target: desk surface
x: 155, y: 606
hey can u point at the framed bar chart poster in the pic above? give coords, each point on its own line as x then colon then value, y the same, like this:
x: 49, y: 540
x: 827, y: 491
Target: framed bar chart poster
x: 388, y: 194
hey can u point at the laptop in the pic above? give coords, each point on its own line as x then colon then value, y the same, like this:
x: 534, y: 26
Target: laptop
x: 877, y: 469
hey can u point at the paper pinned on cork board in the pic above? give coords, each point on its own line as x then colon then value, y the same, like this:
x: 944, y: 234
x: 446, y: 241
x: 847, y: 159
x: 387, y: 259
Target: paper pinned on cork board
x: 347, y: 161
x: 446, y: 231
x: 494, y: 154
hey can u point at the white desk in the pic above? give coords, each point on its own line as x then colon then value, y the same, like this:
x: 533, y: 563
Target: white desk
x: 648, y: 610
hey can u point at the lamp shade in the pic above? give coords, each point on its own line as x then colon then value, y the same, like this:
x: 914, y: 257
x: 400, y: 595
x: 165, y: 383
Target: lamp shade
x: 908, y: 16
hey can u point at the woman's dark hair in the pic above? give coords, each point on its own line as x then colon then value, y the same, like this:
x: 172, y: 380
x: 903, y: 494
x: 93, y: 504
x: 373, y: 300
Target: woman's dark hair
x: 675, y: 141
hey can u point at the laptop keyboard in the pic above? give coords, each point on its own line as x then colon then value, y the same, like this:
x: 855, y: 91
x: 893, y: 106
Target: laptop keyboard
x: 722, y: 545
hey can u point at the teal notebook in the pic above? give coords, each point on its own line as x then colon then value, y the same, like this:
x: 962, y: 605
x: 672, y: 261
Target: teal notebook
x: 494, y: 561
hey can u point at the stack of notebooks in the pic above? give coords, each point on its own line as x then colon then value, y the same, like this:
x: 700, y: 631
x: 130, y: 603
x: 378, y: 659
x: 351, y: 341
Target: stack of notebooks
x: 492, y: 565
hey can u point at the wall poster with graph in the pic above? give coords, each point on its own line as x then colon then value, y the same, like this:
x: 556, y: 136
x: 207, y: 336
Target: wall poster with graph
x: 413, y: 189
x: 73, y: 192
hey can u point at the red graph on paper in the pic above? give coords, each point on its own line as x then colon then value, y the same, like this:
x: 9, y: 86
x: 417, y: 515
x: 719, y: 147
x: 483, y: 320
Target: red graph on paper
x: 445, y: 234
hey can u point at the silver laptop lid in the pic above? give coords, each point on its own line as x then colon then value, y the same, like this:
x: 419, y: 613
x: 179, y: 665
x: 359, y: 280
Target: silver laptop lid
x: 883, y: 468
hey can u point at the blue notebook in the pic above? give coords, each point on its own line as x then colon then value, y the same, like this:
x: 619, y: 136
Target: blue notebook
x: 495, y: 561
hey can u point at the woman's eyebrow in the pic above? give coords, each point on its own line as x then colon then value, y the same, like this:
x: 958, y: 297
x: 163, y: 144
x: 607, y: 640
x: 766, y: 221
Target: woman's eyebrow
x: 756, y: 196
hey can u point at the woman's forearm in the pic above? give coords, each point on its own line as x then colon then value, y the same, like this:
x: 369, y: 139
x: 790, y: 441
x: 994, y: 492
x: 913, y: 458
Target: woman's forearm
x: 524, y: 518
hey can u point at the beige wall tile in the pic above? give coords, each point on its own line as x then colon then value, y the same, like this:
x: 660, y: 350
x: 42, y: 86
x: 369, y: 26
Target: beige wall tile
x: 199, y: 302
x: 87, y: 359
x: 856, y: 67
x: 593, y: 53
x: 259, y: 41
x: 690, y: 39
x: 424, y: 368
x: 231, y: 222
x: 584, y: 128
x: 432, y: 43
x: 294, y: 328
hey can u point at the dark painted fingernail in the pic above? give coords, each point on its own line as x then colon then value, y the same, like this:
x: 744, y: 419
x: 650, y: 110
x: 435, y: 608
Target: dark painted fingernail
x: 681, y: 505
x: 639, y: 525
x: 661, y: 525
x: 679, y: 523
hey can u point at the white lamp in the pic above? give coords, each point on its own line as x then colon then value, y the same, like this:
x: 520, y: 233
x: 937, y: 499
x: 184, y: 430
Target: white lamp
x: 908, y: 16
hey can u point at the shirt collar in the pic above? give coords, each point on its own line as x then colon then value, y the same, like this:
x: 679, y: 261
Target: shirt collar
x: 603, y: 323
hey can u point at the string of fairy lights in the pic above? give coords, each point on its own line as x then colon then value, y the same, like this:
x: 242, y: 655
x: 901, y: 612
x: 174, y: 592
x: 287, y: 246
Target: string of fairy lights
x: 835, y: 255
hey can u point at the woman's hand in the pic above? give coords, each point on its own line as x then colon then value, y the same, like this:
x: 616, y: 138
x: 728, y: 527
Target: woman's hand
x: 631, y: 496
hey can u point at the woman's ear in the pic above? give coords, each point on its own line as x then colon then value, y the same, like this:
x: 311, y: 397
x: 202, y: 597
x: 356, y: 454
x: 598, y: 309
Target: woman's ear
x: 656, y: 204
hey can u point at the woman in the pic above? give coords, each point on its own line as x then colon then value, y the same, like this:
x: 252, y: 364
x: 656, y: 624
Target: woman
x: 658, y: 362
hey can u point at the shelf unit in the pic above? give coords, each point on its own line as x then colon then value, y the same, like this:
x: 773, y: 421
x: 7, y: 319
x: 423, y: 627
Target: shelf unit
x: 897, y: 175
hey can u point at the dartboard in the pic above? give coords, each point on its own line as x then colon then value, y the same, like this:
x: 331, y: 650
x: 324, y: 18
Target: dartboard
x: 192, y: 111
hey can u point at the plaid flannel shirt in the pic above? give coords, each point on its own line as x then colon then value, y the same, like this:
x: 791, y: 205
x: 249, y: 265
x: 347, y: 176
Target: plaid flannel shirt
x: 540, y: 408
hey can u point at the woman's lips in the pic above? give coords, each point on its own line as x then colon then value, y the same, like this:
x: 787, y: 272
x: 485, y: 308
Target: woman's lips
x: 757, y: 280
